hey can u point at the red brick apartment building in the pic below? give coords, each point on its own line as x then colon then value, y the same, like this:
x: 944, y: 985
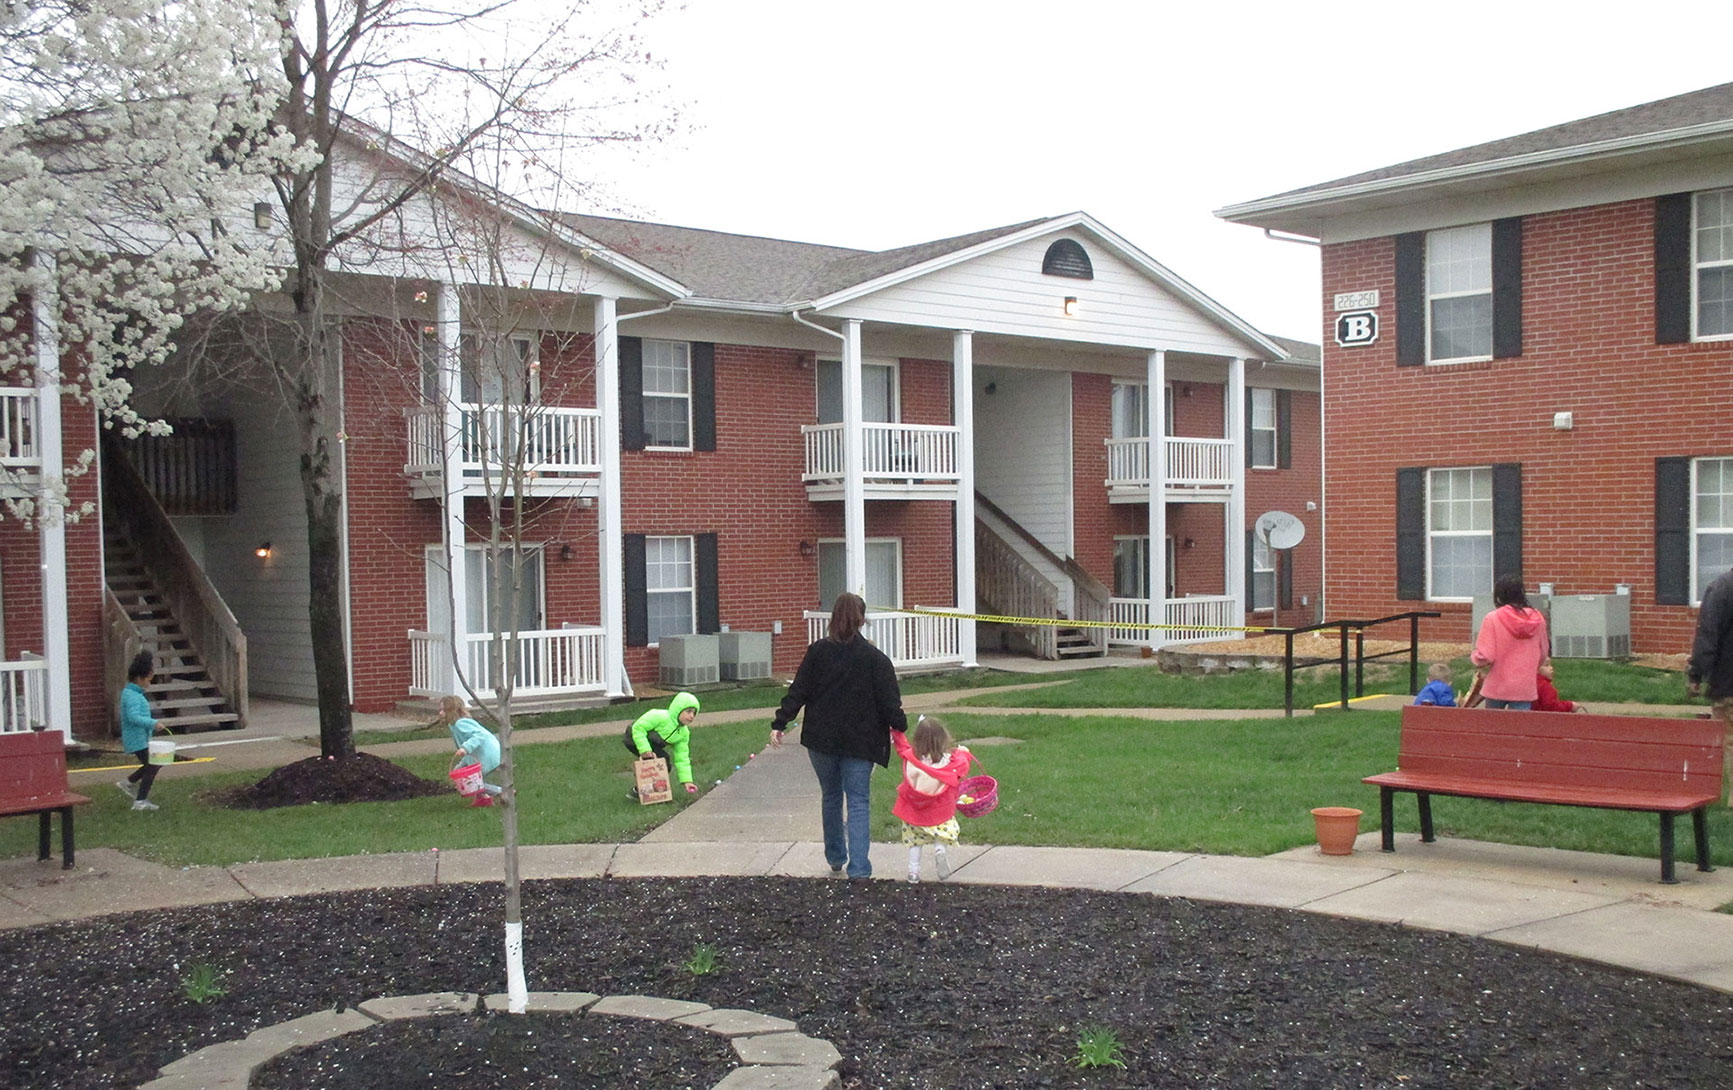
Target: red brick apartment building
x: 1528, y: 367
x: 721, y: 433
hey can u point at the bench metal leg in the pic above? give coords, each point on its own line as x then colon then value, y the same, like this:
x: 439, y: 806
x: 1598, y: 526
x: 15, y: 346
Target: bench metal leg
x: 1667, y: 876
x: 1700, y: 827
x: 1426, y: 836
x: 66, y: 839
x: 1387, y: 817
x: 42, y: 830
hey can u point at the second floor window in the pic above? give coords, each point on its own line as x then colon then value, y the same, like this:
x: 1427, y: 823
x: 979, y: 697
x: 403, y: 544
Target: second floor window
x: 668, y: 394
x: 1712, y: 260
x: 1263, y: 432
x: 1131, y: 410
x: 1459, y: 294
x: 498, y: 368
x: 1458, y: 532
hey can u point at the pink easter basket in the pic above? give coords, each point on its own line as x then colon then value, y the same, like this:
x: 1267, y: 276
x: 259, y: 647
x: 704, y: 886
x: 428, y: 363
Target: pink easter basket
x: 982, y: 793
x: 467, y: 779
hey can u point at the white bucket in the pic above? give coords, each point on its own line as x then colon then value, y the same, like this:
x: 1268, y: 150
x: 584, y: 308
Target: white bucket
x: 162, y: 751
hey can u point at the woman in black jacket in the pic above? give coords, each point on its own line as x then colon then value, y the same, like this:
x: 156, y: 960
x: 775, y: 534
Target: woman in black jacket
x: 849, y: 689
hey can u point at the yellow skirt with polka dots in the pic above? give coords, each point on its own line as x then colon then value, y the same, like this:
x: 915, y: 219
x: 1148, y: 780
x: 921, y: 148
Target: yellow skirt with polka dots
x: 915, y: 835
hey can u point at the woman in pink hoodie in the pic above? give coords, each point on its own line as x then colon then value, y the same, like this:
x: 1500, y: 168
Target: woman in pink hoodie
x: 1512, y: 644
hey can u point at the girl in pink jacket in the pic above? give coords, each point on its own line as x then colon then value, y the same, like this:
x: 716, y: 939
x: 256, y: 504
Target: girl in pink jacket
x: 1512, y: 644
x: 933, y: 766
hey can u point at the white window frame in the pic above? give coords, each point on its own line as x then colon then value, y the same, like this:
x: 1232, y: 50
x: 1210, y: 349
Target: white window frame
x: 1700, y: 579
x: 1264, y: 420
x: 1433, y: 238
x: 684, y: 398
x: 895, y: 393
x: 1263, y: 565
x: 1432, y: 534
x: 652, y: 589
x: 1700, y: 264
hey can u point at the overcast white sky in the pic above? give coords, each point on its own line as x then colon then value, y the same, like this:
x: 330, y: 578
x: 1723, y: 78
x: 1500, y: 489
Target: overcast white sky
x: 879, y: 123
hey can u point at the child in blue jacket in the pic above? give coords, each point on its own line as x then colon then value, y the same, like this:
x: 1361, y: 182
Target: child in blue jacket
x: 1437, y: 690
x: 473, y: 741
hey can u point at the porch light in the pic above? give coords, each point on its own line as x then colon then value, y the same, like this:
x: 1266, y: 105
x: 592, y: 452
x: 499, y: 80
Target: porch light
x: 1071, y: 306
x: 806, y: 548
x: 565, y: 552
x: 263, y: 552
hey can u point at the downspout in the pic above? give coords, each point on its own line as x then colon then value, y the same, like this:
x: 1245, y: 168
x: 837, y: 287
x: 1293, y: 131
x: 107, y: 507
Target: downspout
x: 1283, y: 236
x: 795, y: 314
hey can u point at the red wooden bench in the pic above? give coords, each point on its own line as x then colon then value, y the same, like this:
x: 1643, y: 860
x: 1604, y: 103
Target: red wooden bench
x: 1616, y: 762
x: 33, y: 781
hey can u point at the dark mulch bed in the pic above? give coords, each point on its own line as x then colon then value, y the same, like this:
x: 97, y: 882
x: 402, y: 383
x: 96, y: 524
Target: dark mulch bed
x: 361, y: 777
x: 946, y: 987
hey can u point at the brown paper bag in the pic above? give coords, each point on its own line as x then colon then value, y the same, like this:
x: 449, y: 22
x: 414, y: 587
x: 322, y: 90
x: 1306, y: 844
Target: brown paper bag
x: 653, y: 785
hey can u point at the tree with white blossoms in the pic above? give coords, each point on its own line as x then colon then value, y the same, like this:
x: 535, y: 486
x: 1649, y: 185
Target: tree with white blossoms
x: 130, y: 131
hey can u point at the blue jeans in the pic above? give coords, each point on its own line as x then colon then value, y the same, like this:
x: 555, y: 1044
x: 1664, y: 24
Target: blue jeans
x: 1512, y: 705
x: 841, y: 778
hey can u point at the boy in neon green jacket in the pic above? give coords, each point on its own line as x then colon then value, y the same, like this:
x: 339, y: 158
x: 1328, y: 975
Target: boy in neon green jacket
x: 667, y: 734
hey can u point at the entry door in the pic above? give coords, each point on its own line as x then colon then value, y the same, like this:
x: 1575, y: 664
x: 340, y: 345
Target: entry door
x: 878, y: 391
x: 884, y: 578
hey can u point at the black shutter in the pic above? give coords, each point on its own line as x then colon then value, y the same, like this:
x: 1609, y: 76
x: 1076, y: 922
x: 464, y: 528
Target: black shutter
x: 1673, y: 269
x: 1672, y: 531
x: 1506, y: 520
x: 703, y: 398
x: 1507, y: 288
x: 1251, y: 572
x: 1246, y: 436
x: 1285, y: 579
x: 637, y: 592
x: 1411, y: 300
x: 1411, y: 534
x: 707, y: 570
x: 632, y: 394
x: 1284, y: 429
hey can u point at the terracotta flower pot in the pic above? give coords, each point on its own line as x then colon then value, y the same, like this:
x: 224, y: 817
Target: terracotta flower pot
x: 1337, y: 827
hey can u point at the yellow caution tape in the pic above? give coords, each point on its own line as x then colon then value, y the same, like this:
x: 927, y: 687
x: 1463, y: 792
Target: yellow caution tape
x: 129, y: 768
x: 1064, y: 623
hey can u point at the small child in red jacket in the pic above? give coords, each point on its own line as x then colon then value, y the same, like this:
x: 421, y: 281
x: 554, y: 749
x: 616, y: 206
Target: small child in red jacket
x: 933, y: 766
x: 1547, y: 699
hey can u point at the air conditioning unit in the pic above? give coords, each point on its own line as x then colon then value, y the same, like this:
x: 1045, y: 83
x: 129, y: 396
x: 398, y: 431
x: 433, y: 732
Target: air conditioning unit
x: 1483, y: 605
x: 684, y: 661
x: 744, y: 656
x: 1591, y: 626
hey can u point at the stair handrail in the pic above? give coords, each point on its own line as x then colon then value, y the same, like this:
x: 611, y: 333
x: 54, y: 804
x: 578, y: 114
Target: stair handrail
x: 1015, y: 588
x: 121, y: 640
x: 206, y: 620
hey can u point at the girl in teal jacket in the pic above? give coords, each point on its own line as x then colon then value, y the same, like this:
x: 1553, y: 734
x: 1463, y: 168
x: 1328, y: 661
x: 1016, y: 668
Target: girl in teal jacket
x: 667, y: 734
x: 473, y: 741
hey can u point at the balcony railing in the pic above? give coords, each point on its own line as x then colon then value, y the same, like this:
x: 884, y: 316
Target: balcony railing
x: 903, y: 452
x: 908, y: 639
x: 1204, y: 618
x: 18, y: 450
x: 553, y: 662
x: 22, y: 685
x: 548, y: 442
x: 1191, y: 463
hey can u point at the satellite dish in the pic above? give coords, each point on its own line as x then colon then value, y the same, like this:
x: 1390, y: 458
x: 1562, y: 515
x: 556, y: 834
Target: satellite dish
x: 1279, y: 530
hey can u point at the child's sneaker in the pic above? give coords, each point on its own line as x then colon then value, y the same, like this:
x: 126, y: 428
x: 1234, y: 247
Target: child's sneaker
x: 915, y: 877
x: 943, y: 864
x: 145, y: 804
x: 127, y: 788
x: 482, y: 798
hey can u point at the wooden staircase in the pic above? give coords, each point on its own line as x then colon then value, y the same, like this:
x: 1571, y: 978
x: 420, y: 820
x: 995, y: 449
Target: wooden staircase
x: 183, y: 694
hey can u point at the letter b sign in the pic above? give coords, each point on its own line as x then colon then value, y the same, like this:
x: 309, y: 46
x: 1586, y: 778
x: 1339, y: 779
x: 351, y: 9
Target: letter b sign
x: 1356, y: 327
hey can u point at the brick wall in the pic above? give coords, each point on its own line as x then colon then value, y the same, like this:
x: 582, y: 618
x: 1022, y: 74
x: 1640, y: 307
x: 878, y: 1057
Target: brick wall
x: 1588, y: 348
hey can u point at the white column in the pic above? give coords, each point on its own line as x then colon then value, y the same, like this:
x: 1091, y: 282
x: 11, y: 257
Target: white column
x: 963, y: 416
x: 853, y: 487
x: 1235, y: 517
x: 609, y: 524
x: 1156, y: 428
x: 449, y: 320
x: 51, y: 512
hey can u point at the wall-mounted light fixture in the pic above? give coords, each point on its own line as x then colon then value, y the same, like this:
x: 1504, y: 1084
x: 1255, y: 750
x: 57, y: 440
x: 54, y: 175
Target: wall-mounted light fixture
x: 1563, y: 421
x: 1190, y: 542
x: 807, y: 548
x: 263, y: 552
x: 566, y: 553
x: 1071, y: 306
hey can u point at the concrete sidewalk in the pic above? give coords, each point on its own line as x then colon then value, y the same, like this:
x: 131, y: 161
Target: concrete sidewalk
x: 763, y: 820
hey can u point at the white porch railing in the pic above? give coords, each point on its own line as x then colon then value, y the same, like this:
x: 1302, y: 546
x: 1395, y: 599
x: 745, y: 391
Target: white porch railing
x: 550, y: 442
x: 22, y: 687
x: 909, y: 639
x: 555, y: 662
x: 1191, y: 463
x: 18, y: 451
x: 926, y: 452
x: 1211, y: 613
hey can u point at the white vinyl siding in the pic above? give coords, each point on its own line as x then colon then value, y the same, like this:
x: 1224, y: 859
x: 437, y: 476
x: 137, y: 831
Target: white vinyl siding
x: 1711, y: 522
x: 1023, y: 462
x: 668, y: 395
x: 1459, y: 294
x: 1263, y: 437
x: 1712, y: 264
x: 1458, y: 533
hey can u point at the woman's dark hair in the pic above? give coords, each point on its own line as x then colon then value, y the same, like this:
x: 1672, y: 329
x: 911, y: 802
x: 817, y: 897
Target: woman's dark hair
x: 847, y: 616
x: 143, y: 665
x: 1508, y: 592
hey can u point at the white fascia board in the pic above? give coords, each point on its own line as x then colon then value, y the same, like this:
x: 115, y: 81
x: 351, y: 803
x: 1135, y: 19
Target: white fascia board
x: 1150, y: 267
x: 1265, y: 211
